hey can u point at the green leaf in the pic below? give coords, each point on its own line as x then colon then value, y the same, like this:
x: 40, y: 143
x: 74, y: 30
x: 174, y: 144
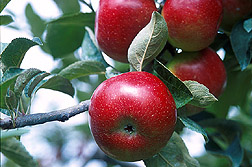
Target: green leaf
x: 37, y: 24
x: 24, y: 79
x: 5, y: 19
x: 77, y: 19
x: 67, y: 6
x: 58, y: 83
x: 3, y: 4
x: 247, y: 24
x: 149, y: 42
x: 8, y: 78
x: 14, y: 53
x: 82, y: 68
x: 63, y: 39
x: 190, y: 124
x: 174, y: 154
x: 30, y: 88
x: 65, y: 34
x: 241, y: 42
x: 234, y: 151
x: 11, y: 100
x: 15, y: 151
x: 236, y: 93
x: 224, y: 139
x: 90, y: 49
x: 13, y: 132
x: 201, y: 95
x: 178, y: 89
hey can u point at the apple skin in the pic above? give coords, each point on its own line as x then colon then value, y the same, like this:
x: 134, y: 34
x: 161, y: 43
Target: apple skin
x: 132, y: 116
x: 118, y: 22
x: 192, y: 25
x: 234, y: 11
x: 205, y: 67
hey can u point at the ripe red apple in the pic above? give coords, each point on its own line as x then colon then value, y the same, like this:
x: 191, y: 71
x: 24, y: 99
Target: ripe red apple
x: 192, y: 24
x: 118, y: 22
x: 132, y: 116
x: 205, y: 67
x: 234, y: 11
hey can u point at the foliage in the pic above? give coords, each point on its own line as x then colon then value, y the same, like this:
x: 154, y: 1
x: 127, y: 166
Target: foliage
x: 228, y: 140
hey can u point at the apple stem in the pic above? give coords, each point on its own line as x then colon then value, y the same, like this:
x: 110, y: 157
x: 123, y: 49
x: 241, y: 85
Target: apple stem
x: 41, y: 118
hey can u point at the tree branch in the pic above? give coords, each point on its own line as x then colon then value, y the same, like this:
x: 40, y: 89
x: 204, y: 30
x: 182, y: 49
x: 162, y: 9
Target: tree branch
x: 40, y: 118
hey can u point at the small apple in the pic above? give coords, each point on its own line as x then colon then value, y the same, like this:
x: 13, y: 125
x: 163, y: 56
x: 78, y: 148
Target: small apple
x: 205, y: 67
x: 234, y: 11
x: 118, y: 22
x: 192, y: 24
x: 132, y: 116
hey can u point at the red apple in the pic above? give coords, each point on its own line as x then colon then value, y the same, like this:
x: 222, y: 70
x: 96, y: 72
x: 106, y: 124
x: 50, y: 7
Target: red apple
x: 192, y: 24
x: 234, y: 11
x: 205, y: 67
x: 118, y: 22
x: 132, y: 116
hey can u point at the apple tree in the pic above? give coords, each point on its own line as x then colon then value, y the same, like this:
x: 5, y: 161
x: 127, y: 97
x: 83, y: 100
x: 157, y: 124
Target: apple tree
x: 161, y: 67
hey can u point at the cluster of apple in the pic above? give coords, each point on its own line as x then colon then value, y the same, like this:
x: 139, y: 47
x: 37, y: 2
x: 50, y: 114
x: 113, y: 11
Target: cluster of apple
x: 133, y: 115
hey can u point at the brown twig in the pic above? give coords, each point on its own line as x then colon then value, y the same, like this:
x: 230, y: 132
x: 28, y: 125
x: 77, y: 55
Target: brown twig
x: 40, y: 118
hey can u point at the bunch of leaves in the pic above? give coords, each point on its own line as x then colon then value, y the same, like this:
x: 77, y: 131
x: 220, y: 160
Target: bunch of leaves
x: 19, y: 86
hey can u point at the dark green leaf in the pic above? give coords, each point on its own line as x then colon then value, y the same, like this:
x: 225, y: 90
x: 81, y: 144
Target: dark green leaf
x: 241, y: 42
x: 24, y: 79
x: 30, y: 87
x: 201, y: 95
x: 3, y: 4
x: 14, y: 150
x: 174, y: 154
x: 8, y: 78
x: 224, y: 139
x: 228, y: 129
x: 65, y: 34
x: 67, y: 6
x: 5, y: 19
x: 12, y: 133
x: 11, y: 100
x: 63, y: 39
x: 190, y: 124
x: 178, y: 89
x: 82, y: 68
x: 90, y: 49
x: 57, y: 83
x: 37, y: 24
x: 238, y: 89
x: 77, y: 19
x: 149, y: 42
x: 234, y: 151
x: 14, y: 53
